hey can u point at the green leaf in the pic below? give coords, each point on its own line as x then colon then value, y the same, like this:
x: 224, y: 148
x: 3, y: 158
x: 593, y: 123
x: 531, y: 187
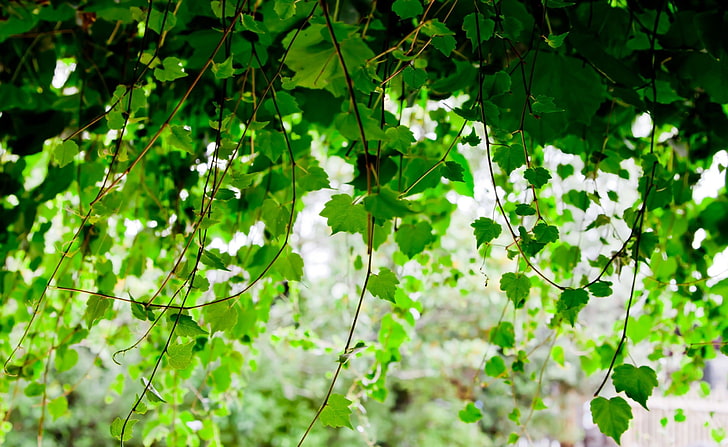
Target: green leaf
x: 65, y: 152
x: 34, y: 389
x: 96, y: 308
x: 445, y: 44
x: 485, y: 230
x: 601, y: 288
x: 503, y: 335
x: 414, y: 77
x: 58, y: 407
x: 171, y: 70
x: 313, y: 60
x: 383, y: 285
x: 412, y: 239
x: 336, y: 413
x: 220, y: 316
x: 312, y: 179
x: 470, y: 414
x: 637, y: 383
x: 545, y: 233
x: 180, y: 355
x: 570, y: 304
x: 407, y: 9
x: 224, y: 69
x: 180, y: 138
x: 484, y: 26
x: 453, y: 171
x: 538, y: 177
x: 399, y: 138
x: 386, y: 205
x: 118, y: 425
x: 186, y: 326
x: 342, y: 215
x: 285, y: 8
x: 435, y: 27
x: 556, y: 40
x: 523, y: 209
x: 510, y: 158
x: 517, y: 287
x: 211, y: 259
x: 545, y: 104
x: 611, y: 416
x: 495, y: 366
x: 152, y: 394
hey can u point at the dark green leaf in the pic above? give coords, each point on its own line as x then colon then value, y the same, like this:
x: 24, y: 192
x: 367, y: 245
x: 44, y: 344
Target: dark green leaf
x: 601, y: 289
x: 407, y: 9
x: 637, y: 383
x: 509, y: 158
x: 611, y: 416
x: 545, y: 233
x: 538, y: 177
x: 570, y: 304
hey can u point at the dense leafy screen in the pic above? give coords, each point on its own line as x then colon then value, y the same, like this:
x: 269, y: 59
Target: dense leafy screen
x: 161, y: 164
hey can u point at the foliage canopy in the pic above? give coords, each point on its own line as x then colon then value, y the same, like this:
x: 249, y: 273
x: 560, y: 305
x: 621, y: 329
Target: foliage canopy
x: 160, y: 163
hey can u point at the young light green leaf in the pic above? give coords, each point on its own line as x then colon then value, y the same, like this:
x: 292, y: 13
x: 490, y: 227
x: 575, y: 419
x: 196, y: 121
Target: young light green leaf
x: 343, y: 215
x: 470, y: 414
x: 186, y: 326
x: 412, y: 239
x: 118, y: 425
x: 637, y: 383
x: 495, y: 366
x: 180, y: 355
x: 96, y: 307
x: 285, y: 8
x: 224, y: 69
x: 172, y: 69
x: 485, y: 230
x: 383, y: 285
x: 58, y: 406
x: 65, y: 152
x: 336, y: 413
x: 220, y: 316
x: 517, y: 287
x: 556, y: 40
x: 152, y: 393
x: 503, y: 335
x: 611, y: 416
